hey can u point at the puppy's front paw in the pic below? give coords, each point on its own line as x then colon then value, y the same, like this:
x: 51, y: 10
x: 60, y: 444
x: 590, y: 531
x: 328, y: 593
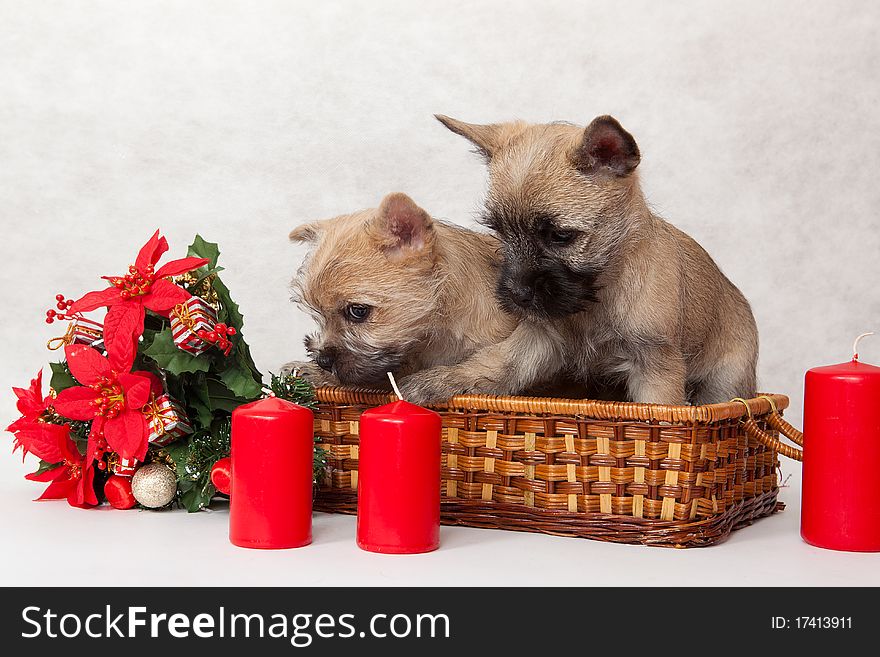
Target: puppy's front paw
x: 428, y: 386
x: 311, y: 372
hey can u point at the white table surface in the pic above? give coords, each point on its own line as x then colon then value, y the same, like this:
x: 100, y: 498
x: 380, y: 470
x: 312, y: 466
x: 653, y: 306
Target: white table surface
x: 177, y: 548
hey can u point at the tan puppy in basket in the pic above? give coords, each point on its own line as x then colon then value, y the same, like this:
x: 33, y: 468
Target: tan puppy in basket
x: 604, y: 288
x: 392, y: 289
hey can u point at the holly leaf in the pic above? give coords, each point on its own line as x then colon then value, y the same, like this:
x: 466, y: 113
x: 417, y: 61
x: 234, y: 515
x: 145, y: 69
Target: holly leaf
x: 178, y: 452
x: 196, y: 497
x: 45, y: 466
x: 221, y: 398
x: 203, y: 249
x: 170, y: 357
x: 62, y: 379
x: 240, y: 381
x: 199, y: 400
x: 229, y: 311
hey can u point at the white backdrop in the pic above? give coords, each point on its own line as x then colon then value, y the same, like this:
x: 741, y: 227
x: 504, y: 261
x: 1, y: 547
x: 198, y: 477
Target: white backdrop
x: 758, y: 124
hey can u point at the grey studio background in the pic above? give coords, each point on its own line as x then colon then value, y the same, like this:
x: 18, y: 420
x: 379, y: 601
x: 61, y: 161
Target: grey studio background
x: 758, y: 123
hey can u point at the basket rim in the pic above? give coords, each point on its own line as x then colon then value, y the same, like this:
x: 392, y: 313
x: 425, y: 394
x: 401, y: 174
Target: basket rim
x: 606, y: 410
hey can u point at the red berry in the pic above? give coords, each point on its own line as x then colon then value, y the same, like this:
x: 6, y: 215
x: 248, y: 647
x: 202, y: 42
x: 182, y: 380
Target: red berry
x: 59, y: 297
x: 49, y: 320
x: 231, y: 331
x: 69, y: 303
x: 50, y: 313
x: 60, y: 306
x: 102, y: 465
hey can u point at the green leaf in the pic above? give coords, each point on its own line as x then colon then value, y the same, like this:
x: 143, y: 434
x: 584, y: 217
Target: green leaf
x: 203, y: 274
x: 202, y: 249
x: 178, y: 452
x: 229, y: 312
x: 45, y: 466
x: 199, y: 400
x: 240, y: 382
x: 193, y: 498
x: 174, y: 359
x: 222, y: 399
x: 62, y: 379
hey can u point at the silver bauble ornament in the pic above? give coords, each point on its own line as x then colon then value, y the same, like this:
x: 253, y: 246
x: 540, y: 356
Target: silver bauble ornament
x: 154, y: 485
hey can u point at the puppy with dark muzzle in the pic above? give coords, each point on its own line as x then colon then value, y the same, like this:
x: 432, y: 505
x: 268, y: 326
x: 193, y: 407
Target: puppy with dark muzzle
x: 604, y: 289
x: 393, y: 290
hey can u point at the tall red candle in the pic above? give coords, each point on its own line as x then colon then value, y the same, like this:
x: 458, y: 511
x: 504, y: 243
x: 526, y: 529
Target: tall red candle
x: 270, y: 503
x: 841, y: 453
x: 399, y: 479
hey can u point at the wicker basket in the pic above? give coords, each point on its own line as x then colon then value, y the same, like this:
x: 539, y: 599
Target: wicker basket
x: 681, y: 476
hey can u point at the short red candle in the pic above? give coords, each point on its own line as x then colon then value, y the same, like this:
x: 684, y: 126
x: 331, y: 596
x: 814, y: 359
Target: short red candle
x: 399, y: 479
x: 839, y: 510
x: 270, y: 502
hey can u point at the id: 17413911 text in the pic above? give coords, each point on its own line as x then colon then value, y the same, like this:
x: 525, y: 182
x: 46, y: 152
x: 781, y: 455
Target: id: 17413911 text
x: 812, y: 623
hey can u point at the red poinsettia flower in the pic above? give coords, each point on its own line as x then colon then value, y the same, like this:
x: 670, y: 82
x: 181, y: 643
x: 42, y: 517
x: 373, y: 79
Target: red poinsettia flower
x: 72, y: 476
x: 111, y: 398
x: 31, y: 404
x: 142, y: 288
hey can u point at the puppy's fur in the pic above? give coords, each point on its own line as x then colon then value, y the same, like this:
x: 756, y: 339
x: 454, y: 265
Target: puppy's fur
x: 604, y: 288
x: 427, y: 287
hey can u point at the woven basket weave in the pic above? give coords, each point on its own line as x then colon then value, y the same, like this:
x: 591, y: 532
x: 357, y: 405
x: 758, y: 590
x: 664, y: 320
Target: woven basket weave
x: 681, y: 476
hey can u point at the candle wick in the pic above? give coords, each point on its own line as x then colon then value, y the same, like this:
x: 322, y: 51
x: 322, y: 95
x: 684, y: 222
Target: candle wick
x: 394, y: 386
x: 856, y: 344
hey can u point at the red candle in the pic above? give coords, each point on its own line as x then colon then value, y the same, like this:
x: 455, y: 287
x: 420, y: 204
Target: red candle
x: 841, y: 452
x: 271, y: 491
x: 399, y: 479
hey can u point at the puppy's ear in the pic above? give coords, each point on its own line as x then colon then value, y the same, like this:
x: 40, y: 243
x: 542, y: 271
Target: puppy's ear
x: 607, y: 146
x: 487, y: 138
x: 306, y: 232
x: 402, y: 228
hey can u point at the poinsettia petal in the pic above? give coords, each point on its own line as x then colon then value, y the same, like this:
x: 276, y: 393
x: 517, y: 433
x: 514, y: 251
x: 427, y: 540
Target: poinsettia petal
x: 76, y: 403
x: 151, y: 251
x: 180, y: 266
x: 156, y: 386
x: 30, y: 399
x: 127, y: 434
x: 92, y: 300
x: 83, y: 494
x: 123, y: 326
x: 164, y: 295
x: 58, y: 489
x: 86, y: 363
x: 20, y: 423
x: 45, y: 441
x: 49, y: 475
x: 137, y: 390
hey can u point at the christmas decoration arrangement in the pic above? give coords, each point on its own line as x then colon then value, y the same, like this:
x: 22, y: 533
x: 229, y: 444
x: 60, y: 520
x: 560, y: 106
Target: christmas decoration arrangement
x: 138, y: 411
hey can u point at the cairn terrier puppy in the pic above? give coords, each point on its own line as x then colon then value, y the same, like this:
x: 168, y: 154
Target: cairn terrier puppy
x: 604, y: 289
x: 393, y: 290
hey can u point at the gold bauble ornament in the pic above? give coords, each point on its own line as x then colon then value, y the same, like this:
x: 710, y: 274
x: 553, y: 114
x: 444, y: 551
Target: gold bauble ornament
x: 154, y: 485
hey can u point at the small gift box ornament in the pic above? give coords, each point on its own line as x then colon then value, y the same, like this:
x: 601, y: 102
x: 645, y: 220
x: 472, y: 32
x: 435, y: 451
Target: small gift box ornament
x: 120, y: 466
x: 80, y: 331
x: 187, y: 319
x: 167, y: 421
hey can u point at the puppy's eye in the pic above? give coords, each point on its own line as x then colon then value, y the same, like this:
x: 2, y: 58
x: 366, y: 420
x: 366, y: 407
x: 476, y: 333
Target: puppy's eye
x: 357, y: 312
x: 560, y: 237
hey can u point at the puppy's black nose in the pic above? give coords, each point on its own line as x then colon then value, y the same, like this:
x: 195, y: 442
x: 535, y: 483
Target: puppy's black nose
x: 521, y: 295
x: 325, y: 361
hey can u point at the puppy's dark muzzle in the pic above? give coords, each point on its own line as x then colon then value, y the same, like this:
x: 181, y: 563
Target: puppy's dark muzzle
x: 522, y: 295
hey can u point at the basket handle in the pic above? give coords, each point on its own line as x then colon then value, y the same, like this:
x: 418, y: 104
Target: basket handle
x: 777, y: 423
